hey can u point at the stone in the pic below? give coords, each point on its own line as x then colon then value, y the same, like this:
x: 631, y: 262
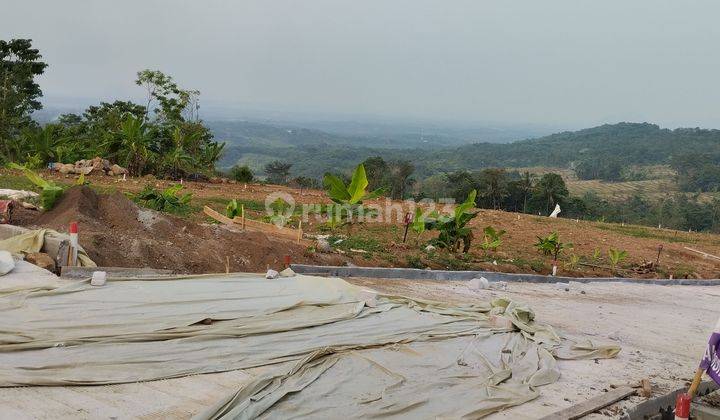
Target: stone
x: 7, y: 263
x: 271, y: 274
x: 66, y: 168
x: 119, y: 170
x: 42, y: 260
x: 98, y: 278
x: 429, y: 248
x: 479, y: 283
x: 323, y: 245
x: 288, y: 272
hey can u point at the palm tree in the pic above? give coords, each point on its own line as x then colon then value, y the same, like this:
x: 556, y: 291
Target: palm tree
x: 134, y: 144
x: 492, y: 186
x: 177, y: 159
x: 551, y: 189
x: 211, y: 153
x: 42, y: 142
x: 526, y: 185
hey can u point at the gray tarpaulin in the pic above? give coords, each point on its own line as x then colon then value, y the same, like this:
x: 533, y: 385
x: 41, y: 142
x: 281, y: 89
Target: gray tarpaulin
x: 331, y: 352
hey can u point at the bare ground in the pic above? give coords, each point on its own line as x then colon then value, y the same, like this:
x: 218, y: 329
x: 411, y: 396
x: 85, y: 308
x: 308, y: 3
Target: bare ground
x: 663, y: 331
x: 117, y: 233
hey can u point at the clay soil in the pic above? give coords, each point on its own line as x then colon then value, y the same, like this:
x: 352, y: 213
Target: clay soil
x: 115, y: 232
x: 516, y: 254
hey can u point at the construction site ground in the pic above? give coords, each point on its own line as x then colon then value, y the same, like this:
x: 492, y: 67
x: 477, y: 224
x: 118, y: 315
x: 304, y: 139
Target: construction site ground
x: 381, y: 244
x: 662, y: 331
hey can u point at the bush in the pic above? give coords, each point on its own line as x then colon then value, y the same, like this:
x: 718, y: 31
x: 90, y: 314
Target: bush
x: 167, y: 200
x: 241, y: 173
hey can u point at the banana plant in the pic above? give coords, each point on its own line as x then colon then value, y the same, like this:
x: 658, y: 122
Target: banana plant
x: 419, y: 221
x: 551, y: 245
x: 348, y: 199
x: 453, y: 227
x: 232, y: 209
x: 616, y: 256
x: 492, y: 238
x: 50, y: 192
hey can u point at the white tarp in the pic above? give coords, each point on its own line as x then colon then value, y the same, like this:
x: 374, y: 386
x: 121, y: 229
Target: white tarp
x: 333, y: 356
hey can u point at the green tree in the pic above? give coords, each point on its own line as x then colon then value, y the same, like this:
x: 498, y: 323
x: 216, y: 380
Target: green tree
x: 278, y: 171
x: 177, y: 161
x: 241, y: 173
x: 303, y: 183
x: 19, y: 93
x: 549, y: 191
x: 492, y: 188
x: 460, y: 183
x: 399, y: 172
x: 134, y: 144
x: 162, y: 89
x: 377, y: 170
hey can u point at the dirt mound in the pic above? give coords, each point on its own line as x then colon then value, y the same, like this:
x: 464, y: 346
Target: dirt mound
x: 117, y: 233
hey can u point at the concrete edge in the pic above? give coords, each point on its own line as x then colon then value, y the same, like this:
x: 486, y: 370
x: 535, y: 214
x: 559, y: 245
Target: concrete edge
x: 86, y: 272
x: 420, y: 274
x: 663, y: 405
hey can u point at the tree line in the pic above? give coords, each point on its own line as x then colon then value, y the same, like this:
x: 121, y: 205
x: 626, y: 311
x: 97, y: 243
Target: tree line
x: 164, y: 136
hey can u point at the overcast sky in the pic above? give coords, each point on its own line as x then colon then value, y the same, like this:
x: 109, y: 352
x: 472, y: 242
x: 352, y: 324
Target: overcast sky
x: 569, y: 62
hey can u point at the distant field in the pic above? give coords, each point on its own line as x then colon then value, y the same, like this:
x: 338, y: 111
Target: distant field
x: 652, y: 188
x: 661, y: 182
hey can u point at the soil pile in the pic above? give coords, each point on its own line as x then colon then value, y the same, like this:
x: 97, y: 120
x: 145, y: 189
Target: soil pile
x: 115, y: 232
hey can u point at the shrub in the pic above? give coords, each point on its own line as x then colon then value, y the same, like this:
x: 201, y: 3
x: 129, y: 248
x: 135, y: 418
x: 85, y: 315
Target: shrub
x: 168, y: 200
x: 241, y: 173
x: 232, y: 209
x: 616, y: 256
x: 492, y: 238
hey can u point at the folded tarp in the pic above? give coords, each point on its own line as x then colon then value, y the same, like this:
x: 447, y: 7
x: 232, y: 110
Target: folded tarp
x: 33, y: 241
x: 330, y: 353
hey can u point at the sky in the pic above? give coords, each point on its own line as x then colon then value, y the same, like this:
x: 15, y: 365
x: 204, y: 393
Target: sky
x: 554, y: 62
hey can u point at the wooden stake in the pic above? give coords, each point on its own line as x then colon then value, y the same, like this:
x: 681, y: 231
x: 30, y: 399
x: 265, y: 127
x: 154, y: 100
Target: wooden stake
x: 69, y: 256
x: 592, y: 405
x: 704, y: 254
x: 242, y: 214
x: 695, y: 383
x: 227, y: 264
x: 300, y: 232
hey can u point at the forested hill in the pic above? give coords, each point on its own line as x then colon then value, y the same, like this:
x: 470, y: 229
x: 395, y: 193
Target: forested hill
x: 625, y: 143
x: 621, y: 145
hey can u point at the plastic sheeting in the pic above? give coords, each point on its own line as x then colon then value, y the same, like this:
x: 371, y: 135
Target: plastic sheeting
x: 34, y: 240
x: 330, y: 354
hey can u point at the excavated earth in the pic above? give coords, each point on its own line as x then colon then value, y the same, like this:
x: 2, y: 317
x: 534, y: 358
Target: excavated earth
x: 115, y: 232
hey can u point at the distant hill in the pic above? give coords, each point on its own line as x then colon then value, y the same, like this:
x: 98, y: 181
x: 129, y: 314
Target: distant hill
x: 628, y: 143
x: 314, y: 152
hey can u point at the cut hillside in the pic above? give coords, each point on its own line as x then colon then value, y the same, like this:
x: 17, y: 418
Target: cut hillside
x: 381, y: 244
x: 117, y: 233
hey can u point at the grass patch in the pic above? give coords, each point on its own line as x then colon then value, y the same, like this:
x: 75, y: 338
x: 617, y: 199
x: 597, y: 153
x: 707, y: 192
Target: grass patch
x: 17, y: 182
x: 536, y: 265
x: 219, y: 203
x: 453, y: 262
x: 645, y: 232
x: 365, y: 243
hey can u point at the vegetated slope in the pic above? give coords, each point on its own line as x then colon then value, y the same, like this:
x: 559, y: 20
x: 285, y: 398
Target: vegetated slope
x: 383, y: 241
x: 115, y: 232
x: 629, y: 143
x: 626, y: 143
